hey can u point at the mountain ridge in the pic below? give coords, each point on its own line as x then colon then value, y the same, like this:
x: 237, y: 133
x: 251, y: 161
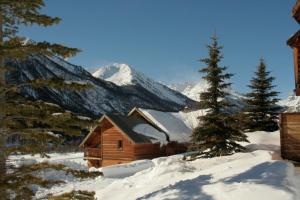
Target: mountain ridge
x: 125, y: 75
x: 103, y: 97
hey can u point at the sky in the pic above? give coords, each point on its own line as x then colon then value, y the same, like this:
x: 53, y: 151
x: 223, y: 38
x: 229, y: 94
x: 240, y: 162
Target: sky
x: 165, y: 39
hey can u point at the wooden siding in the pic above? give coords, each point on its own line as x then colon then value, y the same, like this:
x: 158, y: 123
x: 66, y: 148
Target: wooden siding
x: 297, y: 70
x: 92, y: 152
x: 107, y: 138
x: 94, y: 140
x: 290, y: 136
x: 114, y: 162
x: 147, y: 151
x: 110, y: 137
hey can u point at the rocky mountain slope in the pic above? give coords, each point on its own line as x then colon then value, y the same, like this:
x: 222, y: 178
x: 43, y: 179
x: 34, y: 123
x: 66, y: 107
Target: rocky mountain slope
x: 124, y: 75
x: 103, y: 97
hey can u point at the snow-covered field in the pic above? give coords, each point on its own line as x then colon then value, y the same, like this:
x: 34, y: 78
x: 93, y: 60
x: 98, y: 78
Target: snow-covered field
x: 256, y: 174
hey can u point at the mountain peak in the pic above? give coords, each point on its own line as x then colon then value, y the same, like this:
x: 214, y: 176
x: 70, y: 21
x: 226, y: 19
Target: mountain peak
x: 120, y: 74
x: 123, y: 74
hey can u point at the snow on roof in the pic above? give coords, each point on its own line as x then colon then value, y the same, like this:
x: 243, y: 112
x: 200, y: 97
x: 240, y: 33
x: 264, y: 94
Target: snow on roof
x: 176, y: 125
x: 150, y: 131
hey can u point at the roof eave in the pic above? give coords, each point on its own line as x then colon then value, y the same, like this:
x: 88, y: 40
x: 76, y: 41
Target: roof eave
x: 88, y: 135
x: 296, y: 11
x: 294, y: 40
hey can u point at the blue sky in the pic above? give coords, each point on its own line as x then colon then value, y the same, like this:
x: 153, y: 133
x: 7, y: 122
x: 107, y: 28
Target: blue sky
x: 165, y: 38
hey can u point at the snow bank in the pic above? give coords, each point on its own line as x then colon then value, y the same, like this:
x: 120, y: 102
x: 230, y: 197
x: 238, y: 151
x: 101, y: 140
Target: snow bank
x: 71, y: 160
x: 263, y: 141
x: 125, y: 170
x: 242, y: 176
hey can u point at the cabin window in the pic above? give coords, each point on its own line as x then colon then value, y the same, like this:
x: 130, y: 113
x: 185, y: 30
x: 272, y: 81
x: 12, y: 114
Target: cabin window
x: 120, y: 144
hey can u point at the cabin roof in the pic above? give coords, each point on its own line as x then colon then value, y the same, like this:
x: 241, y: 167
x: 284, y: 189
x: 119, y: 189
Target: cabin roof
x: 294, y: 40
x: 171, y: 123
x: 144, y: 116
x: 135, y: 129
x: 127, y: 124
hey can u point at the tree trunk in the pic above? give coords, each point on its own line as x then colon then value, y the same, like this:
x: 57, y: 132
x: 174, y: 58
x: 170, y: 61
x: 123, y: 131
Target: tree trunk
x: 3, y: 155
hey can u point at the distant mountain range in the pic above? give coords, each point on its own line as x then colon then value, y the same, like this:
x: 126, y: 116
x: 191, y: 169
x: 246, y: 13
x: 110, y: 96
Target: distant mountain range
x: 193, y: 90
x: 108, y: 93
x: 115, y: 88
x: 124, y: 75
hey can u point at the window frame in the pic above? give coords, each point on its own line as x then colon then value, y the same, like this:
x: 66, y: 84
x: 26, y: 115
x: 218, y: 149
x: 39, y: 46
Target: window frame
x: 120, y: 144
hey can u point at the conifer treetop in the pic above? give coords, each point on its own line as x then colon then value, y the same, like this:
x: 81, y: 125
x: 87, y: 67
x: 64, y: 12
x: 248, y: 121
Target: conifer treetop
x: 216, y: 76
x: 261, y: 112
x: 15, y: 13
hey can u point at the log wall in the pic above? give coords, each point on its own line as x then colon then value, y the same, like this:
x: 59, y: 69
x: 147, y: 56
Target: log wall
x: 110, y: 137
x: 290, y: 136
x: 109, y: 152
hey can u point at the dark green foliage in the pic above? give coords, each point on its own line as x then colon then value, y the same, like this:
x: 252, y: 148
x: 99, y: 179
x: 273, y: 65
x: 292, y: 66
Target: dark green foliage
x: 15, y: 13
x: 218, y: 133
x: 32, y: 121
x: 262, y: 112
x: 75, y: 195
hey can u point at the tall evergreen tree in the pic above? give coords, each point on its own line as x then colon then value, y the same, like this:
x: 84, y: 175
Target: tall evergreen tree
x: 217, y: 133
x: 33, y: 121
x: 261, y: 112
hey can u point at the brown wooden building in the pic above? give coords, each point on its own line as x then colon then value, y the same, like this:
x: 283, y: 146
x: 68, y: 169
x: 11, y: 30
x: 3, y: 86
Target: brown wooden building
x: 121, y: 139
x: 290, y: 122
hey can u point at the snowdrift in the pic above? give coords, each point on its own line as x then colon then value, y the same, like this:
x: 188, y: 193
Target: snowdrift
x: 248, y: 176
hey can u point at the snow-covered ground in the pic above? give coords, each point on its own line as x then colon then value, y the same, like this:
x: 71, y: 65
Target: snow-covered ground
x: 256, y: 174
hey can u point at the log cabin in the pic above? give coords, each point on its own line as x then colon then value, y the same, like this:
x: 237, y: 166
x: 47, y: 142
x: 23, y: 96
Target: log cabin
x: 290, y: 122
x: 118, y: 139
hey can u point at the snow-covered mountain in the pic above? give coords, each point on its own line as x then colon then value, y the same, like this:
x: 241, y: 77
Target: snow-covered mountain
x: 102, y: 97
x: 291, y: 103
x: 120, y: 74
x: 124, y: 75
x: 193, y: 90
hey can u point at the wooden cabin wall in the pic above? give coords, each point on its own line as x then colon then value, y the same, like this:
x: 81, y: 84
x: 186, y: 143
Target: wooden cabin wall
x: 94, y: 140
x: 290, y: 136
x: 148, y: 151
x: 111, y: 154
x: 297, y: 70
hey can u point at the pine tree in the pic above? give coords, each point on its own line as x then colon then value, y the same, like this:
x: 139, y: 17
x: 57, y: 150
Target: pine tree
x: 32, y: 120
x: 261, y: 112
x: 217, y: 134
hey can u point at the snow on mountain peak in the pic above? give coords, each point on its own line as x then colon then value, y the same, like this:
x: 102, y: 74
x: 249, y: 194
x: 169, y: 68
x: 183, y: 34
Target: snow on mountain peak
x: 120, y: 74
x: 123, y: 74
